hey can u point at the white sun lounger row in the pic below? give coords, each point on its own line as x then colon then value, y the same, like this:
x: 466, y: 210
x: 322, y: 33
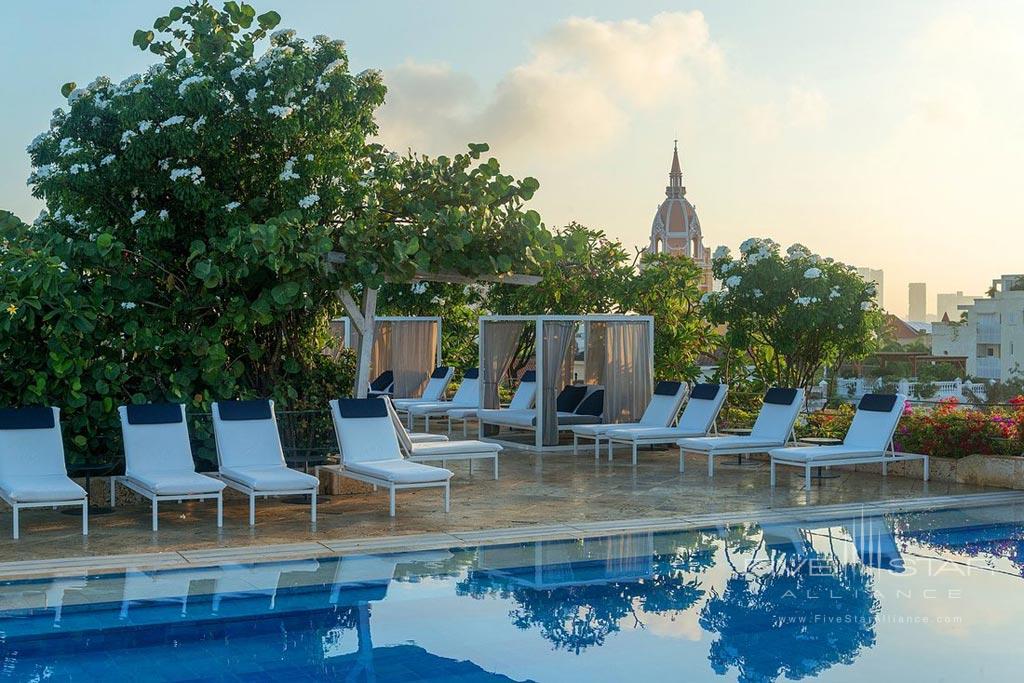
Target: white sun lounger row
x: 374, y: 445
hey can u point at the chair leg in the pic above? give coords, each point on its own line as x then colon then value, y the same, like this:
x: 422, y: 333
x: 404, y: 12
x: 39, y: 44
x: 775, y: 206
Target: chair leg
x: 426, y: 423
x: 16, y: 521
x: 220, y: 510
x: 682, y: 460
x: 807, y: 477
x: 154, y: 514
x: 113, y: 481
x: 711, y: 464
x: 771, y: 468
x: 926, y: 468
x: 634, y: 454
x: 575, y: 444
x: 252, y: 509
x: 391, y: 509
x: 610, y: 446
x: 312, y: 506
x: 447, y: 496
x: 597, y: 449
x: 495, y: 467
x: 85, y: 517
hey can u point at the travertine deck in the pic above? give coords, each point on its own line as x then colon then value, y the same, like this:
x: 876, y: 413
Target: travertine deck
x: 554, y: 491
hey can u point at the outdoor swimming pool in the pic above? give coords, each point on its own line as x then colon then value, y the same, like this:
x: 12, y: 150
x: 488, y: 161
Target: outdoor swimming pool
x: 930, y: 595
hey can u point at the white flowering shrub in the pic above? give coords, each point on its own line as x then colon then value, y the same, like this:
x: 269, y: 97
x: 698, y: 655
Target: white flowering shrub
x: 791, y: 314
x: 197, y: 202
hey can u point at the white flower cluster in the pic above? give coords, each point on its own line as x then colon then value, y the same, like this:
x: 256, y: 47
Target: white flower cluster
x: 75, y: 169
x: 812, y: 273
x: 308, y: 201
x: 138, y: 216
x: 163, y: 214
x: 126, y: 137
x: 282, y: 35
x: 236, y: 72
x: 806, y: 300
x: 189, y: 82
x: 68, y: 147
x: 758, y: 293
x: 231, y: 206
x: 251, y: 95
x: 733, y: 282
x: 37, y: 141
x: 288, y: 173
x: 834, y: 293
x: 195, y: 174
x: 281, y: 112
x: 128, y: 305
x: 43, y: 172
x: 419, y: 287
x: 200, y: 122
x: 173, y: 121
x: 721, y: 252
x: 144, y: 126
x: 797, y: 251
x: 866, y: 305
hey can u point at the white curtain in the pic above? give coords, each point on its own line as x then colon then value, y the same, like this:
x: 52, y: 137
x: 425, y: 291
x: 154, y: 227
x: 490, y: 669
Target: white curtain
x: 557, y: 344
x: 619, y: 358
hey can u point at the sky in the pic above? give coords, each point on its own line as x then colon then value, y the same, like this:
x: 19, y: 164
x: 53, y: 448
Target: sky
x: 884, y: 134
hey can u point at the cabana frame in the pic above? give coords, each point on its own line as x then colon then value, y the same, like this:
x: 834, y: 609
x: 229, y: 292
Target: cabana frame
x: 538, y: 321
x: 347, y: 322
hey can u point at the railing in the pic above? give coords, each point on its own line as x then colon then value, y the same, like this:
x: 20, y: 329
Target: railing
x: 988, y: 367
x: 854, y: 389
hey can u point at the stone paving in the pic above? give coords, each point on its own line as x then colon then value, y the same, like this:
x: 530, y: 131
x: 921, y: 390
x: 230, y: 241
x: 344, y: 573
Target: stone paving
x: 551, y: 489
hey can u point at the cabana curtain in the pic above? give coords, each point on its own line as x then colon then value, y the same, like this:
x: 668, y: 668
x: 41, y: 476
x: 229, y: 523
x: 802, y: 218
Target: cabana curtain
x: 412, y: 353
x: 618, y: 357
x: 556, y: 344
x: 500, y: 340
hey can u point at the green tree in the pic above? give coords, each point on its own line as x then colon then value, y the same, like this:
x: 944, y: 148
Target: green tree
x: 791, y: 314
x: 667, y: 287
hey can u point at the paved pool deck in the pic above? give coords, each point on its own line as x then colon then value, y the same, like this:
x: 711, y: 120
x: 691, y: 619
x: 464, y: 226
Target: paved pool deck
x: 537, y: 496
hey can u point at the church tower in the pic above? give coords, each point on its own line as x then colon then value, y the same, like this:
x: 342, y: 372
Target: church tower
x: 676, y: 228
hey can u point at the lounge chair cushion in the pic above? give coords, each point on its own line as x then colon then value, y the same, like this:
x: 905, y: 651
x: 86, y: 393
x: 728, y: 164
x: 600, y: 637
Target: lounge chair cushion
x: 821, y: 453
x: 570, y: 397
x: 383, y: 381
x: 426, y: 437
x: 30, y: 417
x: 705, y: 392
x: 641, y: 433
x: 708, y: 444
x: 271, y: 478
x: 400, y: 471
x: 780, y: 396
x: 592, y: 405
x: 41, y: 488
x: 177, y: 483
x: 667, y: 388
x: 462, y: 413
x: 454, y: 448
x: 598, y: 429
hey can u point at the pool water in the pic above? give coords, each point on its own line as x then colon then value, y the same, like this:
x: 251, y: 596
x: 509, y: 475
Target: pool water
x: 918, y: 596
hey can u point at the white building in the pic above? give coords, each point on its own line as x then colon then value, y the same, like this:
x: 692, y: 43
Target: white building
x: 917, y: 310
x: 878, y: 277
x: 950, y: 304
x: 992, y: 337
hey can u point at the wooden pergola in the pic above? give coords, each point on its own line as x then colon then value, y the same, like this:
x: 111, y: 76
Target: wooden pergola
x: 363, y: 316
x: 915, y: 358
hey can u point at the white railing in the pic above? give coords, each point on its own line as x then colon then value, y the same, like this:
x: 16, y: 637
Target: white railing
x: 959, y: 389
x: 989, y: 334
x: 988, y: 367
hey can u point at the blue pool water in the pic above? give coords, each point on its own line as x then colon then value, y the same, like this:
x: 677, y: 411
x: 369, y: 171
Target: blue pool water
x: 917, y: 596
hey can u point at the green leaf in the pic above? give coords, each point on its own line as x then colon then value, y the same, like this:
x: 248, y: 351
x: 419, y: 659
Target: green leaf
x: 268, y: 20
x: 66, y: 89
x: 104, y: 241
x: 142, y: 39
x: 412, y: 246
x: 285, y: 292
x: 176, y: 13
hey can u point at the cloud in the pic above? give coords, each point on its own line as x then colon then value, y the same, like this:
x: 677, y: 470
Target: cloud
x: 583, y: 83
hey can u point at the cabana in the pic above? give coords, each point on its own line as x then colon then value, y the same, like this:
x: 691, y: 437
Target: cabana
x: 408, y: 346
x: 618, y: 355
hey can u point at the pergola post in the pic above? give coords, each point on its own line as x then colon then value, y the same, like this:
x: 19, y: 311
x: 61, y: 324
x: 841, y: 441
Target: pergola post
x: 538, y: 354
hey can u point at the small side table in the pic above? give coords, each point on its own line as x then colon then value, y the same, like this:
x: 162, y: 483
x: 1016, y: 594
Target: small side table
x: 89, y: 471
x: 822, y: 472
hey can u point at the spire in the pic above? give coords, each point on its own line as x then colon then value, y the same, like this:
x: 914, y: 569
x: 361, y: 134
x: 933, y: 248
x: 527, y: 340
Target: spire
x: 675, y: 175
x: 676, y: 169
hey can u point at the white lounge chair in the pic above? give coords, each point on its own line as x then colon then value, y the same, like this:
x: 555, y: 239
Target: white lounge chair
x: 438, y: 383
x: 575, y: 405
x: 868, y: 440
x: 32, y: 469
x: 661, y: 412
x: 250, y: 456
x: 444, y: 450
x: 772, y: 429
x: 383, y: 385
x: 466, y: 396
x: 368, y: 442
x: 158, y: 458
x: 698, y: 419
x: 522, y: 399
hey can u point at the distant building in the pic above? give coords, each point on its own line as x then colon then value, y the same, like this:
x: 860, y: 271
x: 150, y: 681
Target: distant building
x: 676, y: 228
x: 992, y: 336
x: 950, y: 305
x: 918, y: 308
x: 878, y: 277
x: 907, y: 333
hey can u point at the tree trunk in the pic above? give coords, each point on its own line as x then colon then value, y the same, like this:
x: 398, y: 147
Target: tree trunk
x: 363, y: 319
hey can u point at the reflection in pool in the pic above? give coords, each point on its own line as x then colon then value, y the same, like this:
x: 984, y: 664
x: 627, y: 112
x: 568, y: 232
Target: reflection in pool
x: 932, y: 594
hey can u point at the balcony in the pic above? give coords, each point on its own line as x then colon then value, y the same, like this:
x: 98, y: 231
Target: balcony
x: 988, y: 367
x: 989, y: 334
